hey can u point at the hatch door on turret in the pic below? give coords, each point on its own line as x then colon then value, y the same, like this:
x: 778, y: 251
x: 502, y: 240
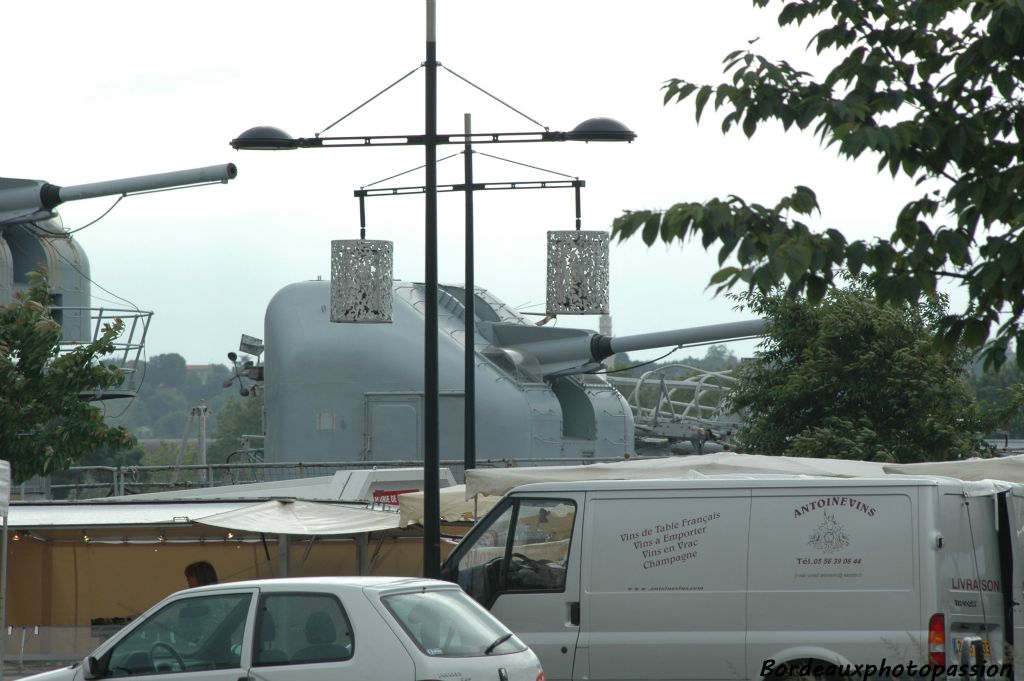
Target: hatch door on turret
x: 393, y: 428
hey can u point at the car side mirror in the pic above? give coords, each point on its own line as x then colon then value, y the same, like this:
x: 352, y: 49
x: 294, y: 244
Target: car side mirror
x: 91, y: 668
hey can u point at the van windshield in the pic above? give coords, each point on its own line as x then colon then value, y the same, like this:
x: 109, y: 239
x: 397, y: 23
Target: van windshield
x: 449, y: 624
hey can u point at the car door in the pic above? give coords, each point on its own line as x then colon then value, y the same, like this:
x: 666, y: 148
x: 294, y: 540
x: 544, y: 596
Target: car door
x: 315, y: 636
x: 195, y: 636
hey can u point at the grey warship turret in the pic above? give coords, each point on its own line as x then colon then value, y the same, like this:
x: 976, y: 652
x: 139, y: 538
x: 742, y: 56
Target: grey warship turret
x: 354, y: 392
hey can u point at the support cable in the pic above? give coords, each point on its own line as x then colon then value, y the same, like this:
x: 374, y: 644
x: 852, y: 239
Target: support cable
x: 368, y: 101
x: 411, y: 170
x: 500, y: 101
x: 526, y: 165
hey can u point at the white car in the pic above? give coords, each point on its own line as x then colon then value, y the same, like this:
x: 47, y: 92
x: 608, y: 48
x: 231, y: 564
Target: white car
x: 312, y: 629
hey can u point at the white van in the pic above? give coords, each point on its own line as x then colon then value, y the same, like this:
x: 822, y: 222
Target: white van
x: 750, y: 578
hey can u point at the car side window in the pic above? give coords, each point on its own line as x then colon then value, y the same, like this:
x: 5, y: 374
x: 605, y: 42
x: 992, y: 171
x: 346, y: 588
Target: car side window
x: 301, y: 628
x: 190, y: 634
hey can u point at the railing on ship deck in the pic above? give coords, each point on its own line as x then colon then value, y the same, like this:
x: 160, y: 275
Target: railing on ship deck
x: 87, y: 482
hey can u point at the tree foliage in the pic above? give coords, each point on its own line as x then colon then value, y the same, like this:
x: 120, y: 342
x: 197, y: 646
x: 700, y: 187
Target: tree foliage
x: 933, y: 89
x: 45, y: 424
x: 161, y: 410
x: 238, y: 417
x: 850, y: 378
x: 1001, y: 392
x: 167, y: 370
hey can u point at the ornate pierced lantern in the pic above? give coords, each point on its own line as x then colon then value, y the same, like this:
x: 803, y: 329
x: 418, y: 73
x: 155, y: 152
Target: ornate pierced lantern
x: 577, y: 272
x: 361, y: 281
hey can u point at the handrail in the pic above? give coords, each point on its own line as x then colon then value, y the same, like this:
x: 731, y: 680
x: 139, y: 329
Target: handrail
x: 683, y: 408
x: 128, y: 346
x: 104, y: 481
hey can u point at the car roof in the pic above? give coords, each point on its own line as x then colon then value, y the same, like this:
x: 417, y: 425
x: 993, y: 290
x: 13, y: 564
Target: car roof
x: 332, y: 583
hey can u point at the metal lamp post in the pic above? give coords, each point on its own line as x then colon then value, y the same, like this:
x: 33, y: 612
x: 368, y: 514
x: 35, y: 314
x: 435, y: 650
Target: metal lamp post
x: 274, y: 139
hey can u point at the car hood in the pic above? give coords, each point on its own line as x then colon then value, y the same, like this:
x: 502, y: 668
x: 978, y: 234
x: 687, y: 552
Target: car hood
x: 62, y: 674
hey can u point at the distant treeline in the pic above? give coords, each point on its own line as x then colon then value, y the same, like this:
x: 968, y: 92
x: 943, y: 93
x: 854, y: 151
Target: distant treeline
x: 168, y: 390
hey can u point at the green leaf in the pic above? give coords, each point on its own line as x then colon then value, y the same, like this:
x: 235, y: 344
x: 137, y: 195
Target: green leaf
x: 678, y: 90
x: 652, y: 226
x: 805, y: 201
x: 750, y: 124
x: 957, y: 141
x: 723, y: 274
x: 815, y: 288
x: 975, y: 332
x: 955, y: 244
x: 702, y: 100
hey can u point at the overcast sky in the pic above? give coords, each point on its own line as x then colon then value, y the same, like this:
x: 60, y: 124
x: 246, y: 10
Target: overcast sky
x: 102, y: 90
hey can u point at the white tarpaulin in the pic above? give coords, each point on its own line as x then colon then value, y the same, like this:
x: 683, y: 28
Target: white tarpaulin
x: 454, y: 505
x: 303, y: 517
x: 1008, y: 468
x: 5, y: 506
x: 88, y: 514
x: 5, y: 487
x: 498, y: 481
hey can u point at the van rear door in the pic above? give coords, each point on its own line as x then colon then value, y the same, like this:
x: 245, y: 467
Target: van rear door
x: 1015, y: 507
x: 970, y: 572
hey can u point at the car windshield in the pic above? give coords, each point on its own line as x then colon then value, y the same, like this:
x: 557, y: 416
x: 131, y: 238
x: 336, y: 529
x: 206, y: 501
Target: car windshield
x: 449, y: 623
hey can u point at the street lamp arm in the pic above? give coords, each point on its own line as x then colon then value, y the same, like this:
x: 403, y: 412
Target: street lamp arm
x: 396, y: 140
x: 247, y: 141
x: 476, y: 186
x: 269, y: 138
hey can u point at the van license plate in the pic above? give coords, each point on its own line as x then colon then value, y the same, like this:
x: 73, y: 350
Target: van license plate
x: 958, y: 644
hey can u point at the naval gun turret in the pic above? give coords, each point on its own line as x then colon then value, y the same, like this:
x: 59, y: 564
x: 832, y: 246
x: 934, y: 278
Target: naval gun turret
x: 354, y: 392
x: 32, y: 234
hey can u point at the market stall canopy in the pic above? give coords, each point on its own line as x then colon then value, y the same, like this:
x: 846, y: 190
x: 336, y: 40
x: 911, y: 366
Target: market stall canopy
x: 1008, y: 468
x: 295, y: 516
x: 498, y: 481
x: 52, y: 515
x: 454, y: 506
x: 5, y: 487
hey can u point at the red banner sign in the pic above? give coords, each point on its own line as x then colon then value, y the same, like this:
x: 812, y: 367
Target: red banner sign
x: 390, y: 497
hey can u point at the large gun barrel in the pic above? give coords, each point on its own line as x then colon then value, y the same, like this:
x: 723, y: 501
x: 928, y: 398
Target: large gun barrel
x: 606, y: 346
x: 561, y: 351
x: 54, y: 195
x: 30, y: 200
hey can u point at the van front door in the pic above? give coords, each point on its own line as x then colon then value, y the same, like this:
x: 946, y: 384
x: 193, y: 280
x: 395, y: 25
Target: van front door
x: 521, y: 563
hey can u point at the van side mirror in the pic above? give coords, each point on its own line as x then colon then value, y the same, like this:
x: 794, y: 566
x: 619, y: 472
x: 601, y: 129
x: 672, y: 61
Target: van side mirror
x: 91, y: 668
